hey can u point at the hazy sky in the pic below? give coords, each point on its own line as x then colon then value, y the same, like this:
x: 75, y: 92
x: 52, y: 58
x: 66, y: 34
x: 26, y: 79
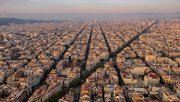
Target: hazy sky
x: 86, y: 6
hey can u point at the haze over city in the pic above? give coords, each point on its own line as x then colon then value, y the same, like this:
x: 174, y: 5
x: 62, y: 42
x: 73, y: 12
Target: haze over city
x: 78, y: 9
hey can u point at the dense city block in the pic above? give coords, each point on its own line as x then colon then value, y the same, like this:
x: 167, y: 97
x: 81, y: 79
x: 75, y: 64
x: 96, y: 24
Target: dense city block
x: 91, y: 61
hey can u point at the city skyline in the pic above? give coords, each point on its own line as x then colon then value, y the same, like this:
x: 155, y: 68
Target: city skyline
x: 89, y: 51
x: 93, y: 61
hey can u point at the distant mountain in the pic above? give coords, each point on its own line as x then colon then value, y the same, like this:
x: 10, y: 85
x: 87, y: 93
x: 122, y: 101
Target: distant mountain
x: 7, y: 21
x: 178, y: 17
x: 150, y: 15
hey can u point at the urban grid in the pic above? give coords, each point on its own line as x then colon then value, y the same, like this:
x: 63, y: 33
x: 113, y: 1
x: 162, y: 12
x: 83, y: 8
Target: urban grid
x: 91, y: 61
